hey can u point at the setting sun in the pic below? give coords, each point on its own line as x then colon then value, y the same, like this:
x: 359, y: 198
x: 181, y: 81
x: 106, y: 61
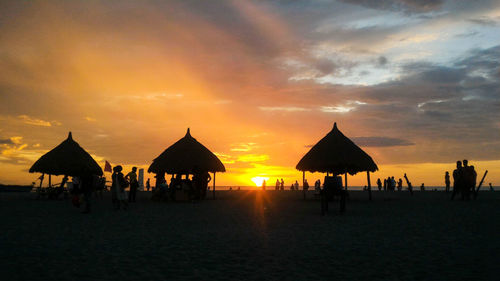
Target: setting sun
x: 259, y: 180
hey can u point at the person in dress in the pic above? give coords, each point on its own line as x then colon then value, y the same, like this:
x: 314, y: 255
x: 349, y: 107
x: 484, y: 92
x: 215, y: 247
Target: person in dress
x: 118, y: 188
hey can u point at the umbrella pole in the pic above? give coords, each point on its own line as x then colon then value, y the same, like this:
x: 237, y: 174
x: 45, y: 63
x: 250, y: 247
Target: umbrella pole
x: 303, y: 181
x: 213, y: 191
x: 50, y: 180
x: 345, y: 176
x: 369, y: 185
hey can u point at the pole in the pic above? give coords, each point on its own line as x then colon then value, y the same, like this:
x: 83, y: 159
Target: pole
x: 480, y: 183
x: 303, y: 181
x: 345, y: 176
x: 50, y: 180
x: 213, y: 191
x: 369, y: 185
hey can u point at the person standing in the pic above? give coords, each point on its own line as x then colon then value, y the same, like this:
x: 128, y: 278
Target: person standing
x: 457, y: 179
x: 263, y: 184
x: 86, y: 187
x: 134, y: 184
x: 118, y: 188
x: 447, y: 181
x: 277, y: 187
x: 469, y: 178
x: 282, y: 184
x: 379, y: 184
x: 400, y: 184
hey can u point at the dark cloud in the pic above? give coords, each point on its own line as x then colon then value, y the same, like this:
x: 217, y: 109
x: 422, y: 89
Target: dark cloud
x: 380, y: 141
x: 484, y: 21
x: 6, y: 141
x: 398, y: 5
x: 382, y: 60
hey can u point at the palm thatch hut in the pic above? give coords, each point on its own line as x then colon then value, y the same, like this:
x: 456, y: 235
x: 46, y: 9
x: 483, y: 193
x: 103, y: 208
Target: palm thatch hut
x: 184, y: 157
x: 69, y: 159
x: 337, y: 154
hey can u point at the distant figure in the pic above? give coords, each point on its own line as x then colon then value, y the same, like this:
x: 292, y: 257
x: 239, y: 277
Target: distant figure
x: 118, y: 188
x: 238, y: 188
x: 393, y: 183
x: 263, y: 184
x: 400, y: 184
x: 282, y: 184
x: 148, y: 185
x: 379, y: 184
x: 292, y: 187
x: 385, y: 184
x: 422, y: 187
x: 317, y: 185
x: 457, y: 179
x: 491, y: 187
x: 134, y: 184
x: 447, y: 181
x: 469, y: 178
x: 86, y: 187
x: 277, y: 187
x: 306, y: 185
x: 296, y: 185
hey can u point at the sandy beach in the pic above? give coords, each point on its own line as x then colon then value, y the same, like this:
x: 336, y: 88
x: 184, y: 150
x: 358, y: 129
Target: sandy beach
x: 252, y: 235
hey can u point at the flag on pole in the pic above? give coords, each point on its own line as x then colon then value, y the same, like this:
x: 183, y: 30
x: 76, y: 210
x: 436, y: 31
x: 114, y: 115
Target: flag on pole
x: 107, y: 167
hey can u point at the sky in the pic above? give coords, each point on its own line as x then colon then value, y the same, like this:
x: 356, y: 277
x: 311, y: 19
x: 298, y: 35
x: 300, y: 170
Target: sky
x: 415, y: 83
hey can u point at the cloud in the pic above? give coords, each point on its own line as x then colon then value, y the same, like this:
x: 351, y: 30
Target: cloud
x: 484, y: 21
x: 253, y: 158
x: 284, y: 108
x: 6, y: 141
x: 420, y: 6
x: 380, y: 141
x: 37, y: 122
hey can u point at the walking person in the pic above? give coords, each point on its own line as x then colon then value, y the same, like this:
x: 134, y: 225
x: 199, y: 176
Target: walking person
x: 447, y: 181
x: 118, y: 188
x: 134, y: 184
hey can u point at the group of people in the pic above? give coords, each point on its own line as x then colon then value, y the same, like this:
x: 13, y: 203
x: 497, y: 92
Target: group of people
x: 119, y: 196
x: 464, y: 180
x: 195, y: 188
x: 280, y: 185
x: 390, y: 184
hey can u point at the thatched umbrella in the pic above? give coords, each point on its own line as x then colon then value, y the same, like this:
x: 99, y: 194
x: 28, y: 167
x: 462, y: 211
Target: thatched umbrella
x: 184, y: 156
x: 69, y: 159
x: 337, y: 154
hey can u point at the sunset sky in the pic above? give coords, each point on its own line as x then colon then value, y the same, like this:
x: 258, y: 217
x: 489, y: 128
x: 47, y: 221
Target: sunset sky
x: 415, y: 83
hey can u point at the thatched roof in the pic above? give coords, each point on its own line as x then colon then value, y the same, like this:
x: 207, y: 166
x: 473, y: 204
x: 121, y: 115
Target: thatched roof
x: 335, y: 153
x: 184, y: 156
x: 68, y: 158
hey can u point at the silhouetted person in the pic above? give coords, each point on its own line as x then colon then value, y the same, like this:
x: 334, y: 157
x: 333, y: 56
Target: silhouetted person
x: 393, y: 183
x: 379, y: 184
x: 148, y: 185
x: 277, y: 186
x: 296, y: 185
x: 400, y: 184
x: 282, y: 184
x: 263, y: 184
x: 422, y: 187
x: 469, y: 178
x: 118, y: 188
x: 86, y: 187
x: 306, y: 185
x: 317, y: 185
x: 134, y: 184
x: 457, y: 179
x: 385, y: 184
x: 447, y: 181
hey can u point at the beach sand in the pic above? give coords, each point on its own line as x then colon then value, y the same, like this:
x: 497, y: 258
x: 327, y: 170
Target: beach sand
x: 253, y: 235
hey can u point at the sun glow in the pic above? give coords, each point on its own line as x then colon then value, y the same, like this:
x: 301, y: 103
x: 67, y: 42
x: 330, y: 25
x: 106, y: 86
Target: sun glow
x: 259, y: 180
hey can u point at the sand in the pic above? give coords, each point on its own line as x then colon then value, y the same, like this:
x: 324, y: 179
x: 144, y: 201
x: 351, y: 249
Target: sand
x: 253, y: 236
